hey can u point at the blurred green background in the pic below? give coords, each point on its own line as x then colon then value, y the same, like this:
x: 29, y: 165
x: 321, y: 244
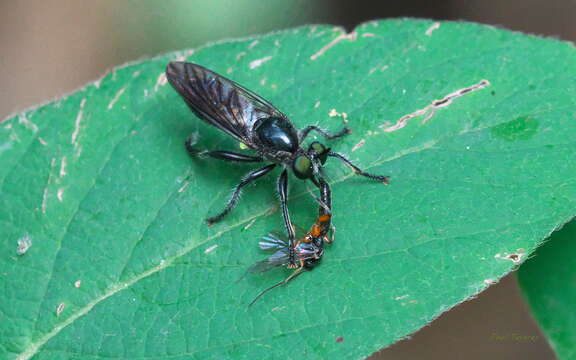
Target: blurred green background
x: 52, y: 47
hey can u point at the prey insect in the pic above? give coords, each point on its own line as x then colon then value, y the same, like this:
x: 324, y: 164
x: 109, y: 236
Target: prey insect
x: 255, y: 122
x: 308, y: 249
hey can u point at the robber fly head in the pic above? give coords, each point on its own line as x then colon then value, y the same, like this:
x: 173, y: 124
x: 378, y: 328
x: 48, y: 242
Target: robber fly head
x: 307, y: 165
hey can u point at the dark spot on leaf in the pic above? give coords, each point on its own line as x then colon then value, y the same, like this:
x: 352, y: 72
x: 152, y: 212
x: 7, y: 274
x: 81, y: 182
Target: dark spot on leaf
x: 441, y: 102
x: 514, y: 257
x: 522, y: 128
x: 492, y: 92
x: 340, y: 339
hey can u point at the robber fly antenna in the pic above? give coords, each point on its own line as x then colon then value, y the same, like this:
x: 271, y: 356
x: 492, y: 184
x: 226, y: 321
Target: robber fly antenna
x: 285, y: 281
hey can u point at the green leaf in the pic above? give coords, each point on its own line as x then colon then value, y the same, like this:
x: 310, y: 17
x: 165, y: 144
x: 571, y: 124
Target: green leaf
x: 122, y: 264
x: 547, y: 281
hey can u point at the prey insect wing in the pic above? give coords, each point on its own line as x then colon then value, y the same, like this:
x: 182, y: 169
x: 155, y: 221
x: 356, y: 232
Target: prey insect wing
x: 218, y: 101
x: 273, y: 241
x: 281, y: 257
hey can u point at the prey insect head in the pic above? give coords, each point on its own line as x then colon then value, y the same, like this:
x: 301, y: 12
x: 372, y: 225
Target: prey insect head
x: 312, y: 252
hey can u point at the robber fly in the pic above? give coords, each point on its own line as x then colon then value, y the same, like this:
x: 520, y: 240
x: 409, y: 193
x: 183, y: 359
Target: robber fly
x: 308, y: 250
x: 256, y: 123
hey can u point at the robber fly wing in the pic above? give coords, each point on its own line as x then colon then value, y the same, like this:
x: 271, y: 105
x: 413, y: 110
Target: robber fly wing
x: 219, y: 101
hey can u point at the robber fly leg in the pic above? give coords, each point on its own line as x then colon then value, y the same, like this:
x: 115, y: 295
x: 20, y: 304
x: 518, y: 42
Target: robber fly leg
x: 221, y: 155
x: 283, y: 194
x: 307, y: 129
x: 325, y: 196
x: 247, y: 179
x: 230, y: 156
x: 357, y: 170
x: 329, y: 238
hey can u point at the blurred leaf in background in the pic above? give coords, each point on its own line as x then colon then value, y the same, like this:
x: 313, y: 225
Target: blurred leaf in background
x: 177, y: 24
x: 548, y: 281
x: 51, y: 47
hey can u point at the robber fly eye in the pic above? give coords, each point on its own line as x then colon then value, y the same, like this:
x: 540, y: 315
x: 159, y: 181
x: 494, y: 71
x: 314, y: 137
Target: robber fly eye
x: 302, y: 167
x: 318, y: 151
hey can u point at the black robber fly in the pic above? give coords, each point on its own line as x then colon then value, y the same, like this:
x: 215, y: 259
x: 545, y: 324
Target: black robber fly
x: 256, y: 123
x: 308, y: 250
